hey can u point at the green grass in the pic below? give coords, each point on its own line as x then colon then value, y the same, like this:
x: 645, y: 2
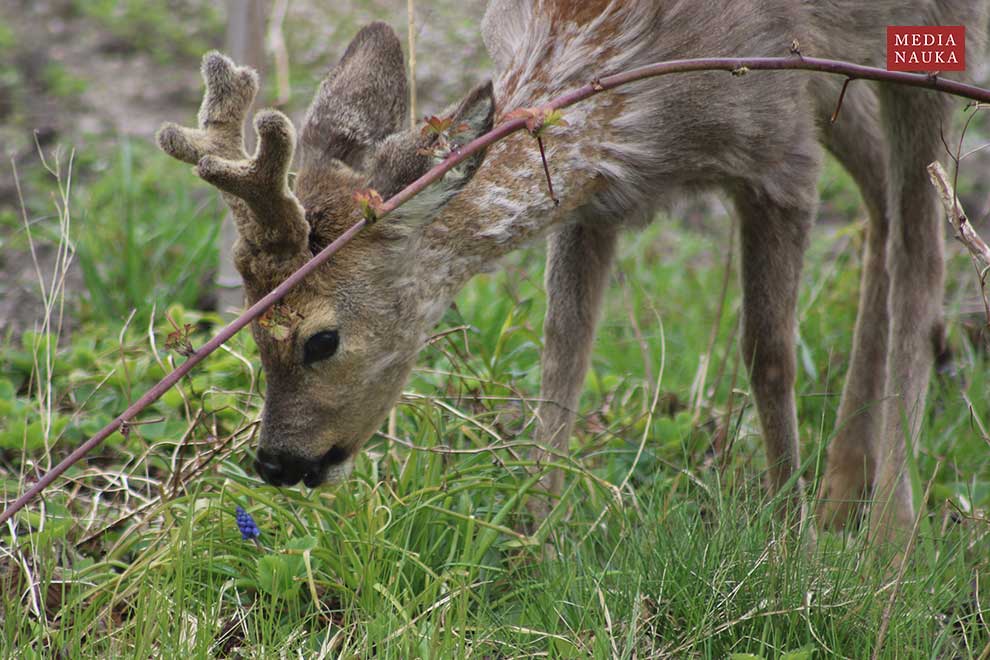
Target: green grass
x: 429, y: 550
x: 164, y: 236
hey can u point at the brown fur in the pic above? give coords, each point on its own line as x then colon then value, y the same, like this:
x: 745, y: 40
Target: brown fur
x: 625, y: 152
x: 576, y: 11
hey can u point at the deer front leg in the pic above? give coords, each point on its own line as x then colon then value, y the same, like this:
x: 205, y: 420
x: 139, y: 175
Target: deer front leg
x: 859, y: 144
x: 914, y: 260
x: 578, y: 261
x: 849, y: 470
x: 774, y: 237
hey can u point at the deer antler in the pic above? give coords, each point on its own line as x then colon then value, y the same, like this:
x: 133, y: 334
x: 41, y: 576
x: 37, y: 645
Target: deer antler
x: 269, y: 217
x: 230, y: 91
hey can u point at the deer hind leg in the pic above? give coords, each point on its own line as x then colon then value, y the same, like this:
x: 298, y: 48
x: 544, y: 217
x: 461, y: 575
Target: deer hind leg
x: 857, y: 141
x: 774, y: 236
x: 579, y: 257
x: 914, y: 121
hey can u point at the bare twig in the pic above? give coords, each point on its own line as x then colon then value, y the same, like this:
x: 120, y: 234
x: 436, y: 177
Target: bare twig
x: 965, y: 233
x: 166, y: 383
x: 546, y: 171
x: 838, y: 105
x: 957, y: 216
x: 738, y: 66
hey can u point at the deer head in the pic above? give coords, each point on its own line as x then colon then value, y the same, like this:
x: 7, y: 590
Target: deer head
x: 338, y: 349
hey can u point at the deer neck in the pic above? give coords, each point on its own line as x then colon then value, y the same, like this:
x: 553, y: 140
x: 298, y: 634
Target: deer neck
x: 508, y: 203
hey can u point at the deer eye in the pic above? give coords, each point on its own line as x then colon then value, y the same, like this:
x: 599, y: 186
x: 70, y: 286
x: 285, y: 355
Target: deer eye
x: 320, y: 346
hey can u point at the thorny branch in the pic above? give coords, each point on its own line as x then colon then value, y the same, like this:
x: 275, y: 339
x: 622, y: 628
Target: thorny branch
x: 738, y: 66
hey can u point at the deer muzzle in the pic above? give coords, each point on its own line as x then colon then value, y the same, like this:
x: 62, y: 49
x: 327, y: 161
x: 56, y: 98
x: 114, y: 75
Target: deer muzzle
x: 286, y: 469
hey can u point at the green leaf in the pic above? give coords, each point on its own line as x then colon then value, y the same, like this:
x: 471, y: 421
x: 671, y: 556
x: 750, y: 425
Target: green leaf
x: 276, y: 578
x: 302, y: 543
x: 804, y: 653
x: 7, y: 390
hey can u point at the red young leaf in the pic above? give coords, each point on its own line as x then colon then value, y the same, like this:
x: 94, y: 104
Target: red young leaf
x: 436, y: 125
x: 279, y: 320
x: 178, y: 340
x: 538, y: 119
x: 531, y: 115
x: 371, y: 203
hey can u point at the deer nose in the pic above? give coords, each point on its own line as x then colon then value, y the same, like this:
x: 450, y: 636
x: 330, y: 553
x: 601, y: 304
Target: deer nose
x: 280, y: 469
x: 284, y: 469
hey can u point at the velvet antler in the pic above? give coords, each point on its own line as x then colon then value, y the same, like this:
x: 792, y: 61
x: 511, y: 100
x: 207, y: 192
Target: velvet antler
x: 270, y: 220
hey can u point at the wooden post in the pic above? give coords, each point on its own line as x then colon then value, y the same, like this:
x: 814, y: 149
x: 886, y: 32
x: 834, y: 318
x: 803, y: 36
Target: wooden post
x: 246, y: 45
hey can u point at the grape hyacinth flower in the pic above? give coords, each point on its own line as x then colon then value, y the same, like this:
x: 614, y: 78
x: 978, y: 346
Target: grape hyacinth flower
x: 245, y: 523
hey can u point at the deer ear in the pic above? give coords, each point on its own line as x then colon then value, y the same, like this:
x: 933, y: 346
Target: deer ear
x: 475, y: 116
x: 362, y: 100
x: 404, y: 157
x: 476, y: 113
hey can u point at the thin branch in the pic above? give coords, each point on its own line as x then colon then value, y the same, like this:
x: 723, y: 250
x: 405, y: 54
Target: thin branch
x: 737, y: 66
x: 166, y: 383
x: 838, y: 106
x: 965, y: 234
x: 732, y: 65
x: 957, y: 216
x: 546, y: 171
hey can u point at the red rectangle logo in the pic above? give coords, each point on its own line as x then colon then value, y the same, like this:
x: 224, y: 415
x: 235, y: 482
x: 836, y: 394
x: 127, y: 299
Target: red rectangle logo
x: 926, y: 48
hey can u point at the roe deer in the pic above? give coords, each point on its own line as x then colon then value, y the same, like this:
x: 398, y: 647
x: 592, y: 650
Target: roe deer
x: 357, y: 325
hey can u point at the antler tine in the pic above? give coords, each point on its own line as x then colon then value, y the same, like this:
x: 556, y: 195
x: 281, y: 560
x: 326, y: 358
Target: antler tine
x: 263, y: 183
x: 269, y: 218
x: 230, y: 91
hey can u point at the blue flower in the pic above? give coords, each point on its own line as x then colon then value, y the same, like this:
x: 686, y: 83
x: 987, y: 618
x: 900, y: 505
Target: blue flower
x: 245, y: 523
